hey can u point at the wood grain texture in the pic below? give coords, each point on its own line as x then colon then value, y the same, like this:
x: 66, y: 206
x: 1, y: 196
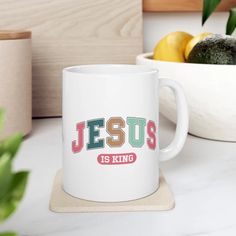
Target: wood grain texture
x: 73, y: 32
x: 11, y: 35
x: 182, y: 5
x: 15, y: 86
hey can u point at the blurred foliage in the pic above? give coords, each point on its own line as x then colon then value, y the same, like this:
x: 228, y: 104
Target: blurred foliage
x: 208, y: 8
x: 12, y: 184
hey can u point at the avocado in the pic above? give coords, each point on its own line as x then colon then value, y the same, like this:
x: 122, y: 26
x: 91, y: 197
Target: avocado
x: 215, y: 49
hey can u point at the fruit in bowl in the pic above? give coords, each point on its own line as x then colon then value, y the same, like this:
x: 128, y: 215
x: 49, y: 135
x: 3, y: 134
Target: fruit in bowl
x: 209, y: 88
x: 205, y: 48
x: 215, y: 49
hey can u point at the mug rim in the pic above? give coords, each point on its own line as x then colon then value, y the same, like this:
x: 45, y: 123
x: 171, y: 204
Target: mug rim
x: 101, y: 69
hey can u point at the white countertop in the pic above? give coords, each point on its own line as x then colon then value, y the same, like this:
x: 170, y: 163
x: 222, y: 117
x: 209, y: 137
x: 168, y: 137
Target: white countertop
x: 202, y: 178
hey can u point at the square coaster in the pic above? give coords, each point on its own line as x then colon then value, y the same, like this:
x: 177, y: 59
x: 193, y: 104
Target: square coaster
x: 62, y: 202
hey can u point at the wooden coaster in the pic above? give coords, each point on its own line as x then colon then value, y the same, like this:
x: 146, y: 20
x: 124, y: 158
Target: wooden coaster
x: 60, y: 201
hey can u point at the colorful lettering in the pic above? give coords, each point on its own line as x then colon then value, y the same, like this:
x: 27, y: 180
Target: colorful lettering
x: 115, y: 128
x: 94, y: 132
x: 77, y: 147
x: 151, y: 131
x: 115, y: 132
x: 140, y: 123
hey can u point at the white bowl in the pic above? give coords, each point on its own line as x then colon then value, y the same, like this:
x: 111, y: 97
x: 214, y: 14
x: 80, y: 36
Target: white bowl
x: 210, y: 91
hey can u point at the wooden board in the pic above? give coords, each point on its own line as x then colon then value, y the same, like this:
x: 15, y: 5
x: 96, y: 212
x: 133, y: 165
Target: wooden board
x: 73, y: 32
x: 182, y: 5
x: 62, y: 202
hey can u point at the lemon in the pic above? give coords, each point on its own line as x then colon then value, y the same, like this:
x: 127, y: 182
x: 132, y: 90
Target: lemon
x: 190, y: 45
x: 172, y: 47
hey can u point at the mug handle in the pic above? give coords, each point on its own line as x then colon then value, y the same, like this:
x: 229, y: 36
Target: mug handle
x: 182, y: 120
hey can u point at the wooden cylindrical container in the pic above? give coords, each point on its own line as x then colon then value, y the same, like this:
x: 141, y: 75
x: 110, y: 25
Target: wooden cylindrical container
x: 16, y: 81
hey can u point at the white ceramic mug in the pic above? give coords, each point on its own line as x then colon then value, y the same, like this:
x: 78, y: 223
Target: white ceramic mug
x: 110, y: 131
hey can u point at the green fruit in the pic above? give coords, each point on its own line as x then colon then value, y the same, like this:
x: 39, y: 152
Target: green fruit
x: 217, y: 49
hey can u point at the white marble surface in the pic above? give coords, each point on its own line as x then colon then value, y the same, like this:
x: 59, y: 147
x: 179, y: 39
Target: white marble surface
x: 202, y: 177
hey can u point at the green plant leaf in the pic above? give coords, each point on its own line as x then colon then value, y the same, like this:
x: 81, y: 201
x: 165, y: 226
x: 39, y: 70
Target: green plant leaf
x: 8, y: 234
x: 12, y: 198
x: 11, y: 145
x: 231, y: 23
x: 208, y: 7
x: 5, y: 174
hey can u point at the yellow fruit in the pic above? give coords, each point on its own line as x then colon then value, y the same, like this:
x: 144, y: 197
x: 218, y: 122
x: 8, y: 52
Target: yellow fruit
x: 190, y: 45
x: 172, y: 47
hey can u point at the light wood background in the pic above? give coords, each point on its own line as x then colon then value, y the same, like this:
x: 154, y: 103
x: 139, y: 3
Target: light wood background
x: 72, y: 32
x: 182, y: 5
